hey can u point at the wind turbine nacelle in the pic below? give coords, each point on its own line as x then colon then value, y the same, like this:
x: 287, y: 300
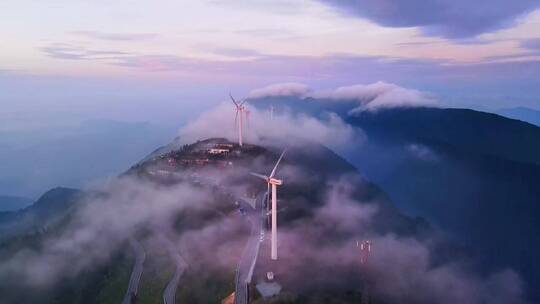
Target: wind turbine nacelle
x: 275, y: 181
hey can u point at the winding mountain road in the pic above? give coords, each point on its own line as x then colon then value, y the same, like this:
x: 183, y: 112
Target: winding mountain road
x: 256, y: 215
x: 169, y: 296
x: 245, y: 268
x: 136, y: 273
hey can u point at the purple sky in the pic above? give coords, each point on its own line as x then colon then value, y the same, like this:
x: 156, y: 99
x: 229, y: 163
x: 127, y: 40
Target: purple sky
x: 64, y: 61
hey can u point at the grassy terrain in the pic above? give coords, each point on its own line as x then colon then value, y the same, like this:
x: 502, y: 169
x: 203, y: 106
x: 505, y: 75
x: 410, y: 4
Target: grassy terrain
x: 104, y: 284
x: 116, y: 281
x: 158, y: 270
x: 202, y: 286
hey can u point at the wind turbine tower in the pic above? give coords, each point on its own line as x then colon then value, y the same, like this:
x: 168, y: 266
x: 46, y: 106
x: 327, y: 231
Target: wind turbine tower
x: 240, y: 110
x: 273, y: 183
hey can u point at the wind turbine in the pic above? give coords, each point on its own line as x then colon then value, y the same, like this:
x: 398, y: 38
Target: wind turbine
x: 273, y: 182
x: 240, y: 109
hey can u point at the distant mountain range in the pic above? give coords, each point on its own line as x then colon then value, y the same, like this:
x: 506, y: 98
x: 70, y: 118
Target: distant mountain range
x: 524, y: 114
x: 52, y: 206
x: 473, y: 174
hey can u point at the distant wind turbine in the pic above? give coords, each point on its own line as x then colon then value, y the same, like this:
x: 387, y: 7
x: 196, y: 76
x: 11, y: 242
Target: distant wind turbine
x: 240, y: 109
x: 273, y: 182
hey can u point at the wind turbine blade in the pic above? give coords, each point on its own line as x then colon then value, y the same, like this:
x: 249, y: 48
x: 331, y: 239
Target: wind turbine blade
x: 277, y: 163
x: 259, y: 176
x: 236, y: 119
x: 243, y: 102
x: 233, y: 100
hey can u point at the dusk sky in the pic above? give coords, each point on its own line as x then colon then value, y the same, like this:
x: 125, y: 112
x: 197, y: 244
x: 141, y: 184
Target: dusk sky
x: 63, y: 61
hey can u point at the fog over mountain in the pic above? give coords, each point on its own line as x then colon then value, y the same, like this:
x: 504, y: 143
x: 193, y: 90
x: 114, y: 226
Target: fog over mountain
x: 329, y: 207
x: 470, y: 173
x: 431, y: 180
x: 270, y: 152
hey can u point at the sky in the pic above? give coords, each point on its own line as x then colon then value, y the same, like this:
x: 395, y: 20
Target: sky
x: 63, y: 61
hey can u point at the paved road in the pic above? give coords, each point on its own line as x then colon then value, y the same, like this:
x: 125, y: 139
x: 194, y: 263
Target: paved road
x: 245, y: 268
x: 169, y: 296
x: 256, y: 216
x: 136, y: 273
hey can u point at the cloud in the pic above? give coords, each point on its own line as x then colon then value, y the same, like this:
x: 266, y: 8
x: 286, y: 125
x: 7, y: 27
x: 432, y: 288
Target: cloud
x: 407, y: 263
x: 379, y: 95
x: 284, y: 127
x: 275, y: 33
x: 371, y: 97
x: 422, y: 152
x: 281, y: 89
x: 100, y: 226
x: 63, y: 51
x: 281, y: 7
x: 236, y: 53
x: 489, y: 83
x: 116, y: 36
x: 155, y: 63
x: 447, y: 18
x: 400, y: 269
x: 531, y: 44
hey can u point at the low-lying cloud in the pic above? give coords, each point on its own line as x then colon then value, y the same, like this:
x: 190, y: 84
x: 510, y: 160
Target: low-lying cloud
x: 262, y: 129
x: 401, y: 266
x: 409, y: 266
x: 379, y: 95
x: 100, y: 227
x: 370, y: 97
x: 400, y: 269
x: 422, y: 152
x: 281, y: 89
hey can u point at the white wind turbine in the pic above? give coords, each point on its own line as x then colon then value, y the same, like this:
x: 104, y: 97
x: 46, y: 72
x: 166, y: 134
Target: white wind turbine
x: 274, y: 182
x: 240, y: 109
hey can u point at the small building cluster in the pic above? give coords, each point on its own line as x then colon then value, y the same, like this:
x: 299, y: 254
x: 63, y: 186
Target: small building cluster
x: 220, y: 148
x: 214, y: 152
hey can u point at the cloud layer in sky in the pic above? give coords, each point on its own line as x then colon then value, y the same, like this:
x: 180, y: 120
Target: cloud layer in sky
x: 447, y: 18
x: 531, y: 44
x: 281, y: 89
x: 116, y: 36
x: 371, y: 97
